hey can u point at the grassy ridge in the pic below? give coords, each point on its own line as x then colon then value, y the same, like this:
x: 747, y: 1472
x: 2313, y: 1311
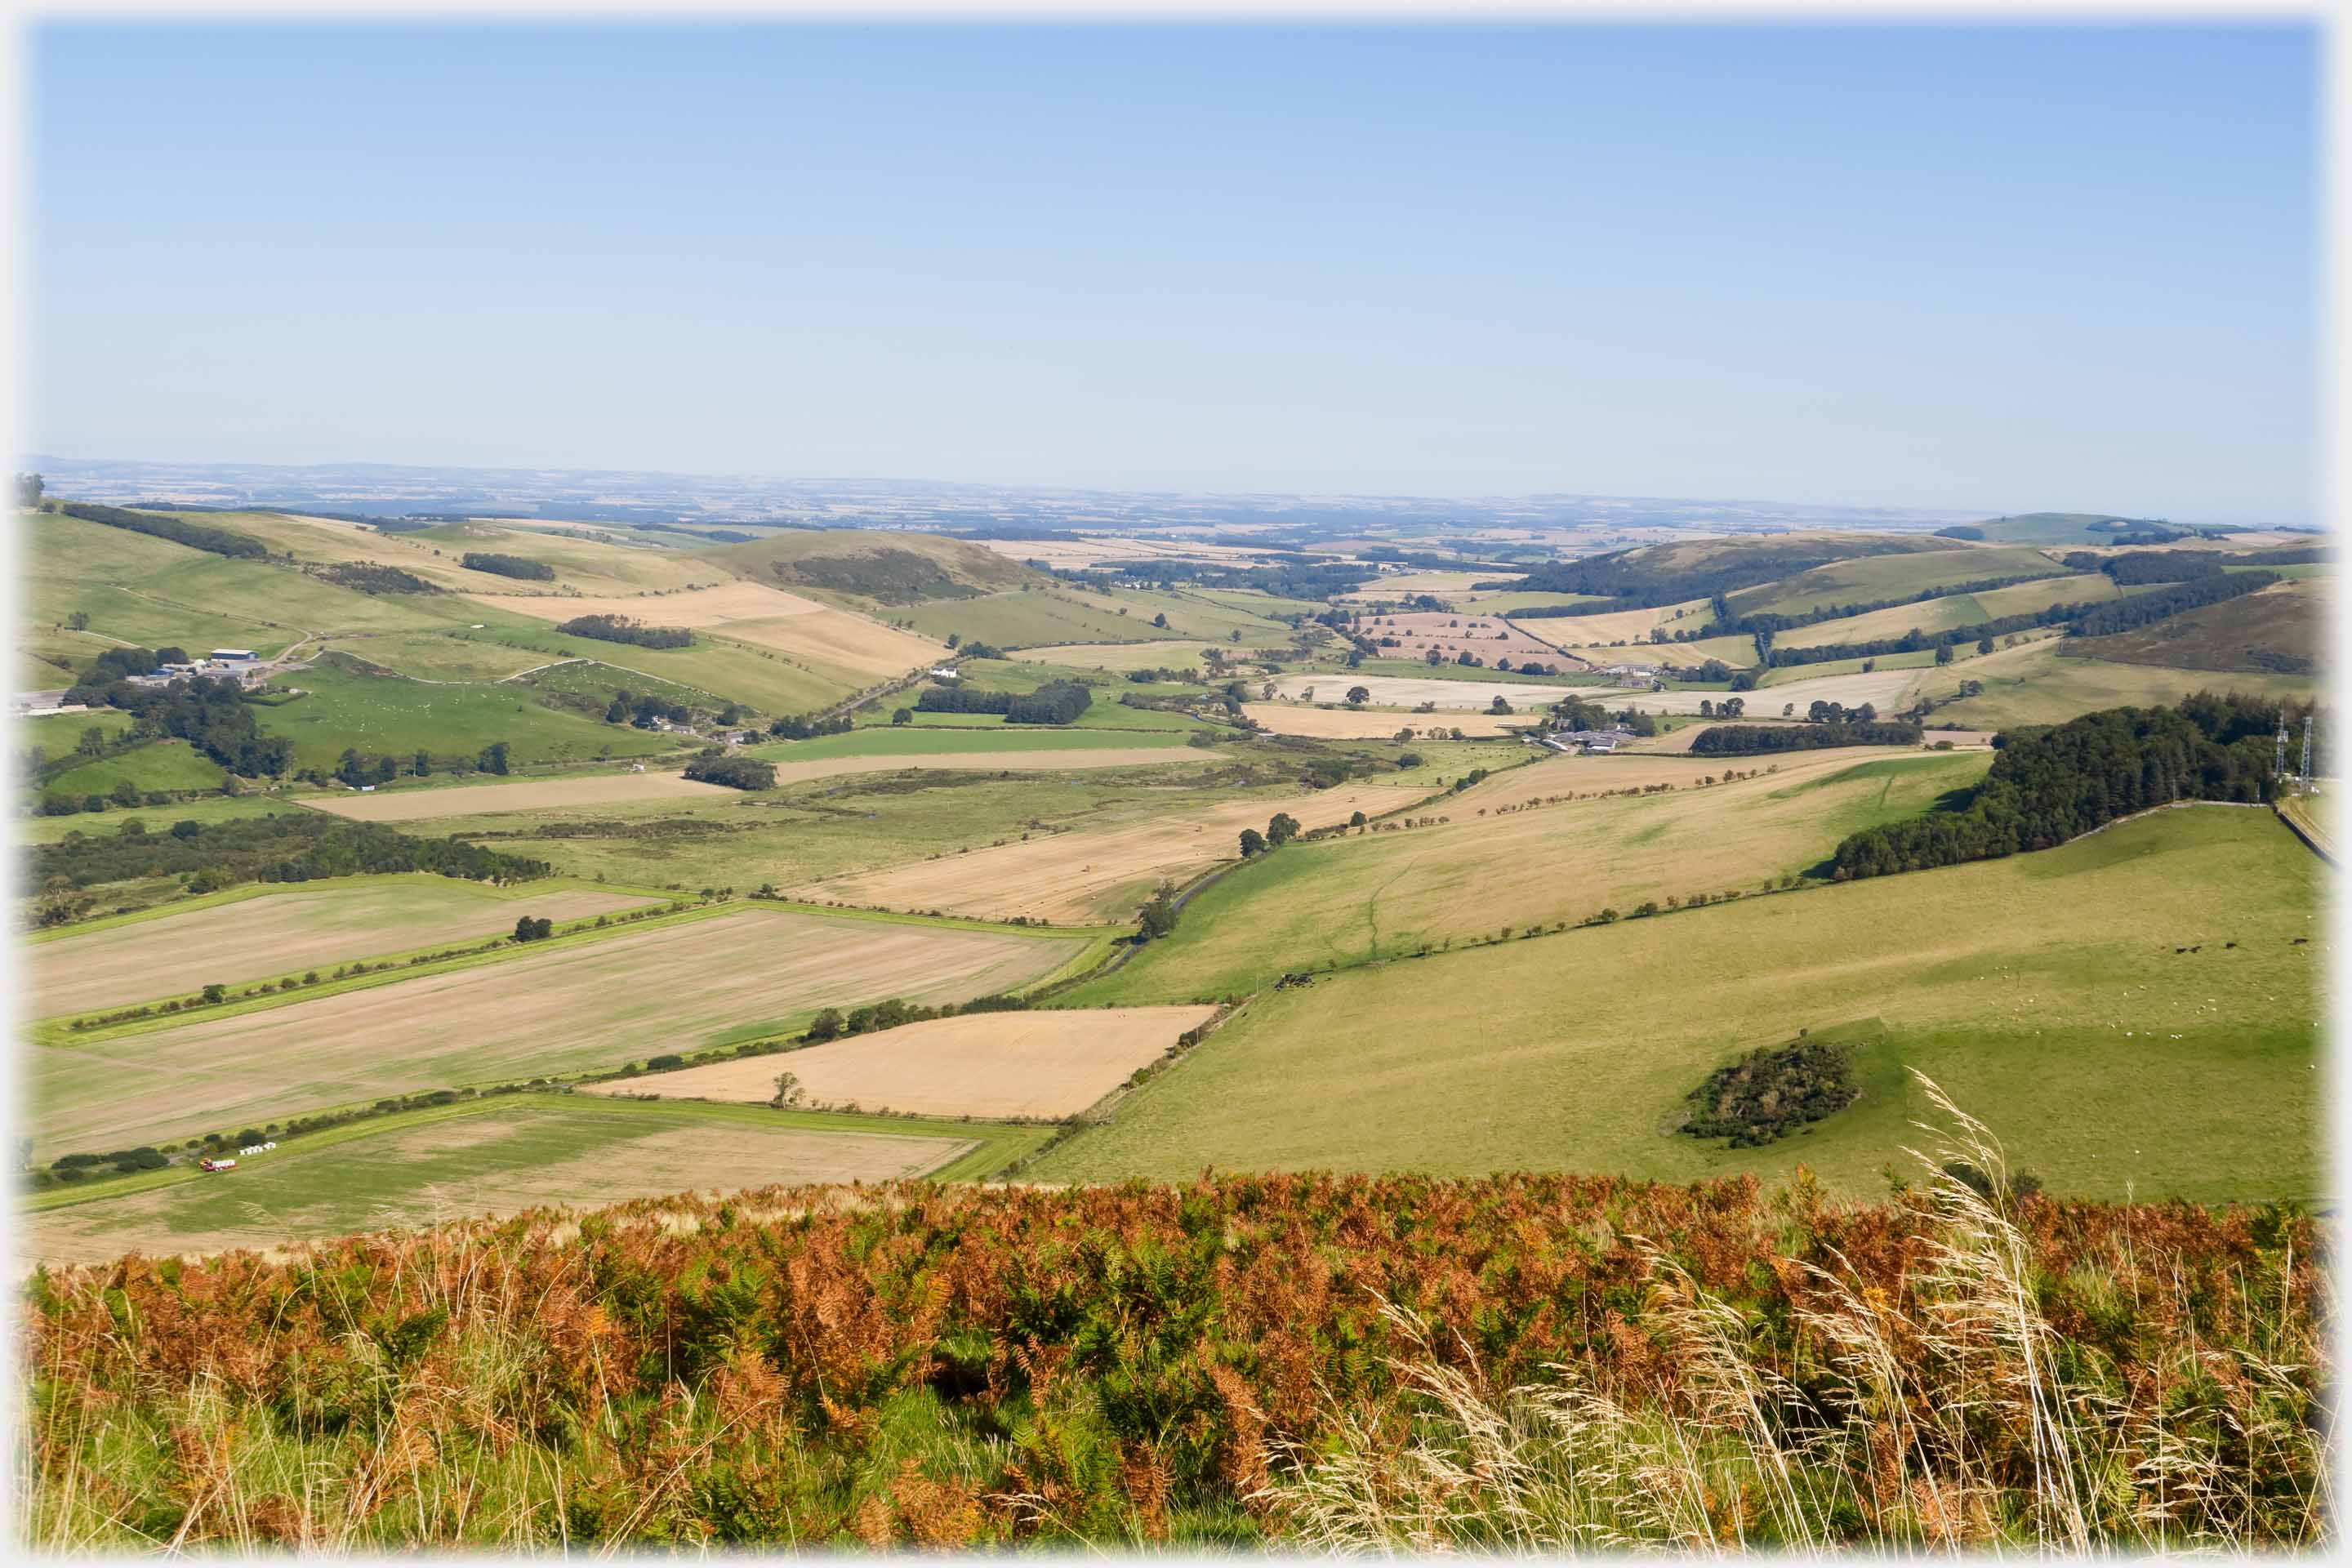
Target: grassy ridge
x: 2114, y: 1063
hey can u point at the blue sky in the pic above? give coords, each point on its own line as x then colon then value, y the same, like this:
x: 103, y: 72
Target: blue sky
x: 2006, y: 269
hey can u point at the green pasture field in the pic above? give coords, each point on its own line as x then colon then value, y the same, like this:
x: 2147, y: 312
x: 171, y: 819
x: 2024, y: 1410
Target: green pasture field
x: 2035, y: 684
x: 1417, y: 669
x: 58, y: 733
x: 157, y: 818
x: 714, y: 670
x: 1889, y: 576
x: 1026, y: 618
x: 369, y: 1174
x: 2049, y: 528
x: 2043, y: 991
x: 1368, y: 895
x: 392, y: 714
x: 1509, y: 602
x: 163, y: 765
x: 799, y: 834
x: 457, y: 654
x: 1787, y: 673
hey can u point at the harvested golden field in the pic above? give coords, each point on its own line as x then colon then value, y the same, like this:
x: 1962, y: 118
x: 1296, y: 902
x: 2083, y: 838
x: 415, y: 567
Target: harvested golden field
x: 1062, y: 554
x: 1097, y: 873
x: 1627, y: 625
x: 1486, y: 637
x: 277, y: 932
x: 498, y: 1158
x: 524, y: 794
x: 1445, y: 584
x: 1044, y: 1064
x: 580, y: 1006
x: 1955, y: 610
x: 1119, y: 656
x: 1554, y: 773
x: 826, y: 639
x: 1367, y: 724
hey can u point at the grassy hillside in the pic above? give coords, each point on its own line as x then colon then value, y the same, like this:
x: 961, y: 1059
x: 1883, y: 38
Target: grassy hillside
x: 1891, y: 578
x: 2280, y: 630
x: 1495, y: 862
x: 1955, y: 610
x: 2110, y: 1061
x: 2037, y: 683
x: 347, y: 705
x: 873, y: 570
x: 2083, y: 528
x: 169, y: 765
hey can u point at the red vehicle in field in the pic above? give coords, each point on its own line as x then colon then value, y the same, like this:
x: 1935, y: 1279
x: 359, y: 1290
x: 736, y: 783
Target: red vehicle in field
x: 216, y: 1165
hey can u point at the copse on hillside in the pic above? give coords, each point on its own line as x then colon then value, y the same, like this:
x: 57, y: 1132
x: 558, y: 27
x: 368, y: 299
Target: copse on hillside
x: 624, y: 629
x: 499, y: 565
x: 2051, y: 785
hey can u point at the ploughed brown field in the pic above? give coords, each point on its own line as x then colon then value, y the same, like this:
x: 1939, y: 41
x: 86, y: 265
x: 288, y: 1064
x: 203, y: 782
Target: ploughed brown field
x: 578, y: 1006
x: 1095, y: 874
x: 1044, y: 1063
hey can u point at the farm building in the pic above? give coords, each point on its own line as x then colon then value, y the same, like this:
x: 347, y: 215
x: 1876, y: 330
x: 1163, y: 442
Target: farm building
x: 234, y: 654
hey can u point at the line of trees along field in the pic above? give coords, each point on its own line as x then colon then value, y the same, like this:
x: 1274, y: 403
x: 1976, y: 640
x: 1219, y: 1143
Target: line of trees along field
x: 2051, y: 785
x: 288, y: 847
x: 159, y: 525
x: 1725, y: 623
x: 1753, y: 740
x: 515, y: 566
x: 624, y: 629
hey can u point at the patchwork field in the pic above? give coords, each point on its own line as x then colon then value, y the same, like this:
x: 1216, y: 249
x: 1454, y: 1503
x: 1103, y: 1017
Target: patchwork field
x: 273, y: 932
x: 829, y: 640
x: 522, y: 795
x: 1891, y: 577
x: 1488, y: 864
x: 1367, y: 724
x: 1487, y: 637
x: 1410, y: 691
x: 1953, y: 610
x: 1037, y: 1064
x: 1098, y: 871
x: 580, y: 1005
x: 1625, y: 626
x: 2045, y: 991
x: 482, y: 1157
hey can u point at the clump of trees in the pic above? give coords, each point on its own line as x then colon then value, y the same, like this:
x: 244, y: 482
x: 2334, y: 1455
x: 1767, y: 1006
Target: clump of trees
x: 1055, y: 702
x: 736, y: 772
x: 162, y: 525
x: 1158, y: 918
x: 210, y: 714
x: 368, y: 577
x: 624, y: 629
x: 2052, y: 784
x: 1771, y: 1092
x: 807, y: 727
x: 529, y: 929
x: 644, y: 712
x: 514, y: 566
x: 1753, y: 740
